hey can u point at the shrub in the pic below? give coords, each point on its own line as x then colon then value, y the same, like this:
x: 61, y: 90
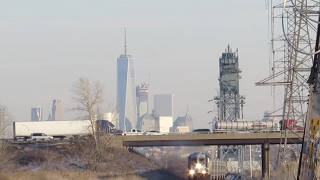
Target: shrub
x: 4, y: 177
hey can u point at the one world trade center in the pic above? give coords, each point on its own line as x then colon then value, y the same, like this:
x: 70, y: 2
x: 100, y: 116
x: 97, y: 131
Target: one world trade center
x: 126, y: 91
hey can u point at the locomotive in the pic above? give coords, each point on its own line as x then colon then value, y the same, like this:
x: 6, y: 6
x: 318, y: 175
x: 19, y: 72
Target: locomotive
x: 201, y: 168
x: 198, y: 166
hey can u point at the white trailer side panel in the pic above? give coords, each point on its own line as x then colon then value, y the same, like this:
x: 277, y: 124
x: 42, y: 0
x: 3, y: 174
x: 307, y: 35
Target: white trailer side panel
x: 52, y: 128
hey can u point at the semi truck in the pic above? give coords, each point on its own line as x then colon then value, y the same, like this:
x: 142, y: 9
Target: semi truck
x: 244, y: 125
x: 59, y: 129
x: 261, y: 125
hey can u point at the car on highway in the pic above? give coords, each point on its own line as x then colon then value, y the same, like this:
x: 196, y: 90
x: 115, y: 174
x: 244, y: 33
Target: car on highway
x: 153, y: 132
x: 40, y: 137
x: 201, y: 131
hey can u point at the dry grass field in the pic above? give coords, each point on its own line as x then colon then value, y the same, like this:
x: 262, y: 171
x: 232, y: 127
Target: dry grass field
x: 85, y: 175
x: 62, y: 175
x: 65, y: 161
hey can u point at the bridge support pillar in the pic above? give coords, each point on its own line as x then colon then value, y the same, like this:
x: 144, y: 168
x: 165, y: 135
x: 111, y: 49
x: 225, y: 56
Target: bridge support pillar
x: 265, y: 150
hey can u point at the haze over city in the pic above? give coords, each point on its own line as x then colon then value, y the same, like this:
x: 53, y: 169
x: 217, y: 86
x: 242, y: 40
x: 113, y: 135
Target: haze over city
x: 47, y: 46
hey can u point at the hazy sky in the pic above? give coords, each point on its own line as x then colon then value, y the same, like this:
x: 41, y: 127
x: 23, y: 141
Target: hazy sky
x: 45, y: 46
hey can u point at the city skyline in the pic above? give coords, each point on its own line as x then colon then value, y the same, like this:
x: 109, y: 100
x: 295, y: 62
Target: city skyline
x: 179, y: 45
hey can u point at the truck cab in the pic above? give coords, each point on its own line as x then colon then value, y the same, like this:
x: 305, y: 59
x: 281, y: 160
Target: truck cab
x: 290, y: 124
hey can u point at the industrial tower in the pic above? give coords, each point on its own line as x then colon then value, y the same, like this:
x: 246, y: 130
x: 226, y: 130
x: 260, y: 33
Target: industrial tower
x: 230, y: 103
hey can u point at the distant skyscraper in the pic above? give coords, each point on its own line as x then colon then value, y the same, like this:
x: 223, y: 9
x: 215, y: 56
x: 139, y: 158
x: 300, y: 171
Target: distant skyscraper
x: 142, y: 99
x: 126, y: 91
x: 56, y: 110
x: 163, y: 105
x: 36, y: 114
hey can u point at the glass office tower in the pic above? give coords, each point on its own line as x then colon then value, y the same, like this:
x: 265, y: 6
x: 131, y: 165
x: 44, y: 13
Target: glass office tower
x: 126, y: 93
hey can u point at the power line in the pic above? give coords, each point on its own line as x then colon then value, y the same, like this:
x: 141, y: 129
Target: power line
x: 210, y: 100
x: 258, y: 102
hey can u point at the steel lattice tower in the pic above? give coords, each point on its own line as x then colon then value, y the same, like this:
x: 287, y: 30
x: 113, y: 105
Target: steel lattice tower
x: 230, y: 103
x: 293, y: 32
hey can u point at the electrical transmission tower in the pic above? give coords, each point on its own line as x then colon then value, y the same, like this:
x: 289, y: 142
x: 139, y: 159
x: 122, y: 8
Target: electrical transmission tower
x: 230, y: 103
x: 293, y: 32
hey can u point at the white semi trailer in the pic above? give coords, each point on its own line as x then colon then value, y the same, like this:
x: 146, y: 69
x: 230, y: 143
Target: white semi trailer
x: 57, y: 129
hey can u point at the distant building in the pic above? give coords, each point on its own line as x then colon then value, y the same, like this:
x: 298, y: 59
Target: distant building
x: 56, y: 110
x: 126, y: 91
x: 163, y: 105
x: 49, y: 117
x: 142, y: 100
x: 183, y: 121
x: 266, y: 116
x: 165, y: 123
x: 36, y: 114
x: 147, y: 122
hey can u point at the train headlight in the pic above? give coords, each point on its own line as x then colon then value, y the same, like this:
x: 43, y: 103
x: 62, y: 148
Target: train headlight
x: 198, y: 165
x: 204, y: 171
x: 191, y: 172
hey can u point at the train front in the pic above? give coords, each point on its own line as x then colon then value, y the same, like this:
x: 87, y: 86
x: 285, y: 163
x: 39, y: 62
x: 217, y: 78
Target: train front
x: 198, y: 166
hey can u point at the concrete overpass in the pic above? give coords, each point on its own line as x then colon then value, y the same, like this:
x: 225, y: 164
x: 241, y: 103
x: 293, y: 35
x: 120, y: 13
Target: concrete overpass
x: 191, y: 139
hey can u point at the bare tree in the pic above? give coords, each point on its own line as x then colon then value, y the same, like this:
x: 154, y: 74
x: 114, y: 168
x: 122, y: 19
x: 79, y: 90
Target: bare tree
x: 89, y: 96
x: 5, y: 121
